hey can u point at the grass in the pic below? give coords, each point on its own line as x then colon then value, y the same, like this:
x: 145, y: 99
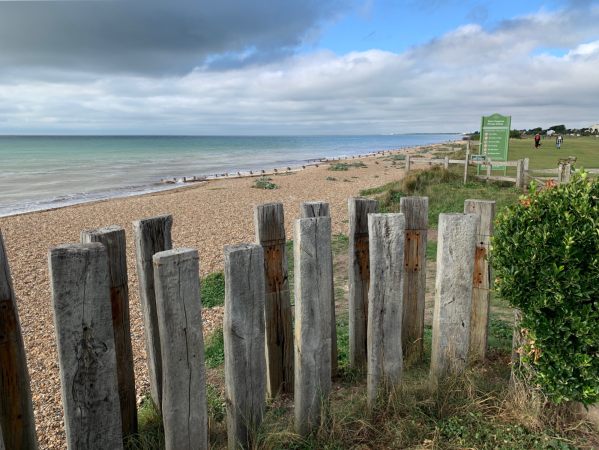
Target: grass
x: 214, y: 349
x: 212, y: 289
x: 444, y: 189
x: 346, y: 166
x: 585, y: 148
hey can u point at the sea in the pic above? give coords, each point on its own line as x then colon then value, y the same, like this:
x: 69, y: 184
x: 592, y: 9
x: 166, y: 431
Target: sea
x: 44, y: 172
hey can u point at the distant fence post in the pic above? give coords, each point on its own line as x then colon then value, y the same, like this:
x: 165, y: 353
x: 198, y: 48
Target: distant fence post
x: 113, y: 238
x: 520, y: 174
x: 564, y: 171
x: 453, y: 294
x: 152, y: 235
x: 313, y: 267
x: 407, y: 162
x: 526, y: 168
x: 359, y: 278
x: 489, y: 168
x: 446, y: 163
x: 415, y: 210
x: 184, y: 408
x: 385, y: 303
x: 85, y: 339
x: 243, y: 329
x: 17, y: 424
x: 321, y: 209
x: 269, y: 222
x: 466, y: 163
x: 481, y: 294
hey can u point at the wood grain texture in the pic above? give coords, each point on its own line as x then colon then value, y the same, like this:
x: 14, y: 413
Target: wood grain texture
x: 453, y: 294
x: 321, y: 209
x: 113, y: 239
x: 152, y: 235
x: 184, y: 407
x: 269, y: 223
x: 415, y: 210
x: 313, y: 274
x: 481, y: 277
x: 85, y: 339
x: 243, y: 329
x: 359, y: 276
x: 385, y: 304
x: 17, y: 424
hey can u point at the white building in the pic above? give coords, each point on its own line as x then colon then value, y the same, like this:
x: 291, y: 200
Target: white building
x: 594, y: 128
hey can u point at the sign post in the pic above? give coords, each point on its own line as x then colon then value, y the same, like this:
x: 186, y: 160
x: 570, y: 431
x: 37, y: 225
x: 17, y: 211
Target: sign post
x: 495, y: 139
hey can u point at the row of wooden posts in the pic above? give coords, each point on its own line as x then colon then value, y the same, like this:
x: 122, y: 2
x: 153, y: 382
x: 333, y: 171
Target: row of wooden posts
x: 266, y: 352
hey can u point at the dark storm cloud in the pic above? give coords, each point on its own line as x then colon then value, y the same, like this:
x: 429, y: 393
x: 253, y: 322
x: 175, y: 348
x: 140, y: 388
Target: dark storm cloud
x: 154, y: 36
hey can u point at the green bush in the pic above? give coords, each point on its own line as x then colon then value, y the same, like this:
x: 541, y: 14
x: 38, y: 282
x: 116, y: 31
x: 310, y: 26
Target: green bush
x: 546, y: 260
x: 264, y: 183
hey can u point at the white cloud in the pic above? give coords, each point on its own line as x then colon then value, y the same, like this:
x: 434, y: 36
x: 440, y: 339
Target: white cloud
x: 444, y: 85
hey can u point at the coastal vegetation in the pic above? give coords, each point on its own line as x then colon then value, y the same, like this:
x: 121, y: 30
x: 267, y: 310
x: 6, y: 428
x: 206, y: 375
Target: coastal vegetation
x: 343, y: 166
x: 264, y: 183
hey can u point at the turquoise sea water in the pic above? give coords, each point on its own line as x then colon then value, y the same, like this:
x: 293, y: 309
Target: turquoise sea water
x: 41, y: 172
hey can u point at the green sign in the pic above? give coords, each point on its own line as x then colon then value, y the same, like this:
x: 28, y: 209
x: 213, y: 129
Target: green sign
x: 495, y: 138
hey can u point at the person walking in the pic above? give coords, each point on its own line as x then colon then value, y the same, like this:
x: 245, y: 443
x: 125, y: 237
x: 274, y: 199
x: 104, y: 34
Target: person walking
x: 537, y: 140
x: 558, y: 141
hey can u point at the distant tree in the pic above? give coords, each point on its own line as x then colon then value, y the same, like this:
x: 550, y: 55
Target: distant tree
x: 516, y: 134
x: 558, y: 128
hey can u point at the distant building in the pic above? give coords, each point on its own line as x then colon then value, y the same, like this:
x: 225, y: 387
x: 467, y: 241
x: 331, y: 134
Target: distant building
x: 550, y: 132
x: 594, y: 128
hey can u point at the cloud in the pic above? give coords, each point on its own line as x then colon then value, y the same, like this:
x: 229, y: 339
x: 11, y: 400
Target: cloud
x: 444, y: 85
x: 153, y: 36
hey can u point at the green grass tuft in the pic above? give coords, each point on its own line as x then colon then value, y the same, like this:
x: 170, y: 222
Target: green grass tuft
x: 212, y: 290
x: 214, y: 349
x: 264, y: 183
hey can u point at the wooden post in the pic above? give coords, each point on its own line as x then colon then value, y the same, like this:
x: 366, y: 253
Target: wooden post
x: 184, y: 407
x: 17, y: 424
x: 269, y: 223
x: 526, y: 166
x: 113, y: 238
x: 313, y: 268
x: 466, y: 164
x: 152, y: 236
x: 407, y: 160
x: 481, y: 281
x: 489, y: 168
x: 415, y: 210
x: 243, y: 328
x: 85, y: 339
x: 385, y: 303
x: 446, y: 163
x: 453, y: 294
x: 520, y: 174
x: 321, y: 209
x: 359, y: 278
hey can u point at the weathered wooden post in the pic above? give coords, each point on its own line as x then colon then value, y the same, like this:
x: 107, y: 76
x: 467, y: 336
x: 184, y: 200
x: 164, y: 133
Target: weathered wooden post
x: 17, y: 424
x: 321, y: 209
x: 385, y: 303
x: 415, y: 210
x: 526, y: 168
x: 481, y: 281
x: 184, y: 407
x: 453, y: 294
x: 269, y: 222
x: 446, y: 163
x: 243, y: 328
x: 564, y: 172
x: 152, y: 235
x: 359, y: 278
x: 489, y: 168
x: 407, y: 160
x: 520, y: 174
x: 113, y: 238
x: 85, y: 339
x: 466, y: 163
x: 312, y: 269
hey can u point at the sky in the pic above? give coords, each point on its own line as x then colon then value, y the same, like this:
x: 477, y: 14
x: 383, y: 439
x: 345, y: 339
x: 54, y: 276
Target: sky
x: 295, y: 67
